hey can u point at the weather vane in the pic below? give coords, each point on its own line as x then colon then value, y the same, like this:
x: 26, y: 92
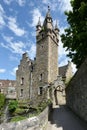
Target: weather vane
x: 48, y: 8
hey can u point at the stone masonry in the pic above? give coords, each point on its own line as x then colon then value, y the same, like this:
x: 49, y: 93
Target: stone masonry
x: 76, y: 92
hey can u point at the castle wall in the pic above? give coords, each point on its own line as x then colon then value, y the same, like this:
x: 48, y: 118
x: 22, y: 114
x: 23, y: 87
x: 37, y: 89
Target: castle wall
x: 76, y: 92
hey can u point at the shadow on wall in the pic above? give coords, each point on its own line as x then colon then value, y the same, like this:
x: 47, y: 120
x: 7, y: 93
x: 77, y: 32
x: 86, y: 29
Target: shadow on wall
x: 62, y: 117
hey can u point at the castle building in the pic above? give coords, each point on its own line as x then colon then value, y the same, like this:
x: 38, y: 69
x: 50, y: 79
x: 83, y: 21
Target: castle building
x: 32, y: 77
x: 40, y: 79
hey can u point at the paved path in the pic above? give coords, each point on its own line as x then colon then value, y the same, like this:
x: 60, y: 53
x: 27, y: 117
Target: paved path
x: 63, y: 119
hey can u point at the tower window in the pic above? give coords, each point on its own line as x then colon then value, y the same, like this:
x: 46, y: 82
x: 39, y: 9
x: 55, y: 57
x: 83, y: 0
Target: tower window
x: 40, y: 91
x: 40, y: 77
x: 21, y: 93
x: 22, y: 81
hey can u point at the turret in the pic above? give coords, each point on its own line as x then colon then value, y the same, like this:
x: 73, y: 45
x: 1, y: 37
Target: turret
x: 38, y: 27
x: 48, y: 21
x: 56, y: 29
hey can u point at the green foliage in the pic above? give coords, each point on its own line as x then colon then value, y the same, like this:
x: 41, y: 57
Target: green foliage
x: 19, y: 111
x: 13, y: 105
x: 75, y: 36
x: 2, y: 100
x: 18, y: 118
x: 43, y: 105
x: 23, y: 104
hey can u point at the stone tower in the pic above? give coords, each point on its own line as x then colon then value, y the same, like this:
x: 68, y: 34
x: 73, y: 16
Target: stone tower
x: 46, y: 51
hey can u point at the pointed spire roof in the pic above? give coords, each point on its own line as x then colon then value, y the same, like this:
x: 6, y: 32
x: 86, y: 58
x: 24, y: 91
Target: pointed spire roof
x: 39, y: 22
x: 56, y: 25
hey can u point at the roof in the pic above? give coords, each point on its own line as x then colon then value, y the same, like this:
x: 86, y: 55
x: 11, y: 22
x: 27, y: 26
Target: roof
x: 63, y: 70
x: 7, y: 83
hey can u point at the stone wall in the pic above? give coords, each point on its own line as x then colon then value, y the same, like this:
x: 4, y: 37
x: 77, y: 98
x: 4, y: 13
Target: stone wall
x: 34, y: 123
x: 76, y: 92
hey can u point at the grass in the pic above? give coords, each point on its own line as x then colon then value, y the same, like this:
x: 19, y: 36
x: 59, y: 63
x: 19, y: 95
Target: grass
x: 19, y: 110
x: 18, y: 118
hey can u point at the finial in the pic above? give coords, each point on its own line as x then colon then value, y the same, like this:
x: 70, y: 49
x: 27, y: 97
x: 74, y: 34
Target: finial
x: 48, y: 8
x: 48, y: 12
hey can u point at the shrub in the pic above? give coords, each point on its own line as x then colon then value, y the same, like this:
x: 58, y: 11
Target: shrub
x: 2, y: 100
x: 12, y: 105
x: 19, y: 111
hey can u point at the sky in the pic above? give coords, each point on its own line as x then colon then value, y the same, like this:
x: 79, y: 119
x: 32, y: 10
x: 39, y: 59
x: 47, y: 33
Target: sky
x: 18, y: 20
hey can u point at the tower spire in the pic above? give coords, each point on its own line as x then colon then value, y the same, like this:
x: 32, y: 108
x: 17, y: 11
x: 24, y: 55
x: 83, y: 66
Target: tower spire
x: 56, y: 25
x: 38, y: 26
x: 48, y: 12
x: 39, y: 22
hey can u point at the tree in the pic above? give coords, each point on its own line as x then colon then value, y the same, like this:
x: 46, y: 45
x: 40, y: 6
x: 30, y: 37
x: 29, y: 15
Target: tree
x: 75, y: 36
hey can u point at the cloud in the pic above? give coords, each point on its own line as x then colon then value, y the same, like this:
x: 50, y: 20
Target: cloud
x: 64, y: 5
x: 35, y: 17
x: 21, y: 2
x: 2, y: 13
x: 2, y: 70
x: 73, y: 67
x: 19, y: 47
x: 32, y: 51
x: 14, y: 47
x: 14, y: 71
x: 13, y: 26
x: 8, y: 2
x: 63, y: 61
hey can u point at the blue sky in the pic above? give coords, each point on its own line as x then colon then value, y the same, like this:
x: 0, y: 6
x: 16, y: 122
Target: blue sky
x: 18, y: 20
